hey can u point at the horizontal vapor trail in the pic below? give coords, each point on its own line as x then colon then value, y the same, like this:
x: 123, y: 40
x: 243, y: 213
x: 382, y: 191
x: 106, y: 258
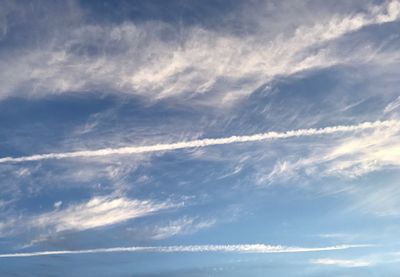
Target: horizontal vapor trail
x: 205, y: 142
x: 235, y: 248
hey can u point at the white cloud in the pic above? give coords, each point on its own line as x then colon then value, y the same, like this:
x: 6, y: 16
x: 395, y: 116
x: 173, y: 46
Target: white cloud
x: 130, y: 150
x: 342, y: 262
x: 57, y: 204
x: 342, y: 236
x: 357, y: 156
x: 235, y: 248
x: 6, y: 226
x: 351, y: 156
x: 379, y: 201
x: 97, y: 212
x: 181, y: 226
x: 223, y: 66
x: 393, y: 106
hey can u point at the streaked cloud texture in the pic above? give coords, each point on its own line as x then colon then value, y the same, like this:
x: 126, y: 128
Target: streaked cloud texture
x: 199, y: 138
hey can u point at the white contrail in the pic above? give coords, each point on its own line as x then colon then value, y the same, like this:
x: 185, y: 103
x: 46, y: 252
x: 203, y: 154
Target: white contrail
x: 205, y: 142
x: 235, y: 248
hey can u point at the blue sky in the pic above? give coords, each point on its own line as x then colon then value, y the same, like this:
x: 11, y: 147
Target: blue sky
x: 199, y: 138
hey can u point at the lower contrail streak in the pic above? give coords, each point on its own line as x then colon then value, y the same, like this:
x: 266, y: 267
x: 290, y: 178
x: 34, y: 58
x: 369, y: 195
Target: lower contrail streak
x: 235, y: 248
x: 131, y: 150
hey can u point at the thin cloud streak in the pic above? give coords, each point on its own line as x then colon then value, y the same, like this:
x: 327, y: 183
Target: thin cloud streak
x: 235, y: 248
x: 342, y: 262
x: 131, y: 150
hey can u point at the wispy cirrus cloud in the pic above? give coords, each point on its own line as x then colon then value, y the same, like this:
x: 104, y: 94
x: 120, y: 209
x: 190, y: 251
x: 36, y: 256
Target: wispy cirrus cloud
x: 192, y: 64
x: 182, y: 226
x: 95, y: 213
x: 393, y: 106
x: 229, y: 248
x: 207, y: 142
x: 351, y: 156
x: 98, y: 212
x: 382, y: 201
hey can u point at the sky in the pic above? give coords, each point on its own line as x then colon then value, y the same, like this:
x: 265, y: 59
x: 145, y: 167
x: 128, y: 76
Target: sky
x: 199, y: 138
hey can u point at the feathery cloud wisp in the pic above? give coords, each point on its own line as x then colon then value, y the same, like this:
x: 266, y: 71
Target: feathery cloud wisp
x: 351, y: 157
x: 184, y: 225
x: 95, y: 213
x: 235, y: 248
x: 130, y: 150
